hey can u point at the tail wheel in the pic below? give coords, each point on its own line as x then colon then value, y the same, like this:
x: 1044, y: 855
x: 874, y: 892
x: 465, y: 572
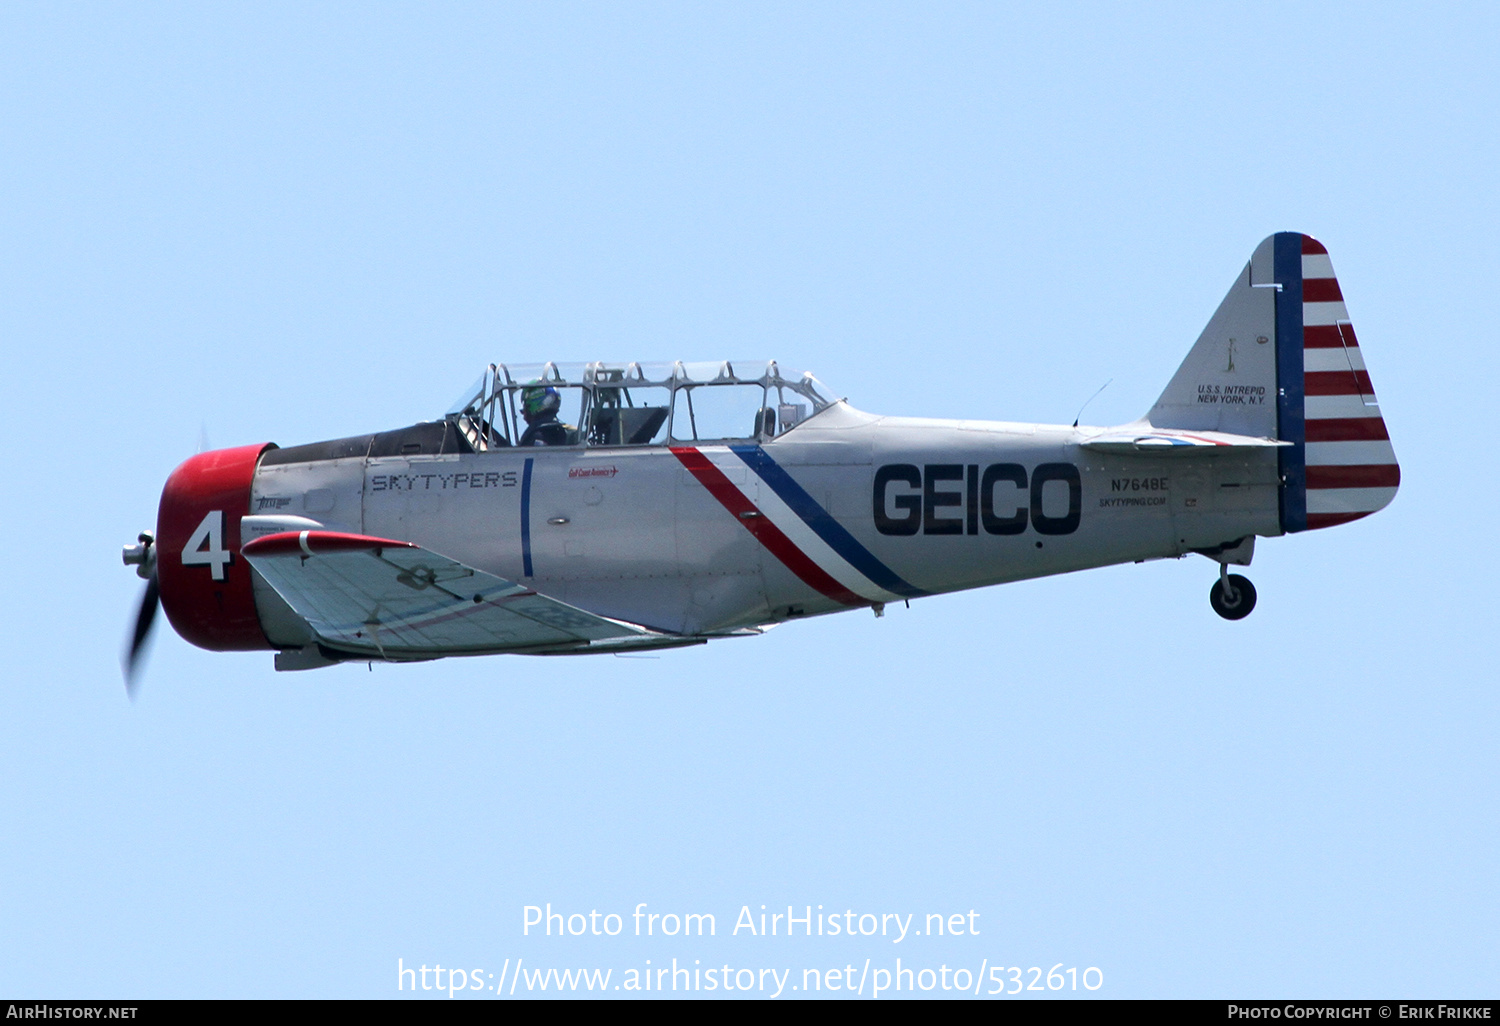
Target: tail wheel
x: 1232, y: 596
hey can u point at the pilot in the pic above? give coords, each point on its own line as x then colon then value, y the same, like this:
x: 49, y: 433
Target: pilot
x: 539, y: 406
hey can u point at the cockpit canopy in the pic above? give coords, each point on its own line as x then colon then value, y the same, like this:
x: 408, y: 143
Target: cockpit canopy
x: 613, y: 404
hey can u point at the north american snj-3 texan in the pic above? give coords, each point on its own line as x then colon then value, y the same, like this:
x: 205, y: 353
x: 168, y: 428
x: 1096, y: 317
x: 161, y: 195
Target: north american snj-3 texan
x: 612, y: 507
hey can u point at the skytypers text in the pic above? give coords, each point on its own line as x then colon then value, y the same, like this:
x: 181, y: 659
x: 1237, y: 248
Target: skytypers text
x: 441, y: 482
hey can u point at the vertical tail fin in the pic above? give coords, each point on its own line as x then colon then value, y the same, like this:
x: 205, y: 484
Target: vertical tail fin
x: 1279, y: 359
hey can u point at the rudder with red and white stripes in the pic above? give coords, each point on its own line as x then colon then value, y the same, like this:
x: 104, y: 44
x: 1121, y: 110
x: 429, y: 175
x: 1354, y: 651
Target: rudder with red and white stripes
x: 1340, y: 466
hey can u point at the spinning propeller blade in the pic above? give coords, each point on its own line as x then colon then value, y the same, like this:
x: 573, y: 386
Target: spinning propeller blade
x: 143, y: 557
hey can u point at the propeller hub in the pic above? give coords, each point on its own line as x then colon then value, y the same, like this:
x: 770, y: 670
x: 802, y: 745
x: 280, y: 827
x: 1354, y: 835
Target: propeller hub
x: 142, y: 555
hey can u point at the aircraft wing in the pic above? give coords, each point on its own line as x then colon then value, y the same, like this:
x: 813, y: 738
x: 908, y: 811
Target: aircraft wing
x: 393, y: 600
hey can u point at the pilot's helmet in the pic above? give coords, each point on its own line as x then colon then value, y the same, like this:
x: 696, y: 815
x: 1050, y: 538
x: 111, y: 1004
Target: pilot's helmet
x: 537, y: 401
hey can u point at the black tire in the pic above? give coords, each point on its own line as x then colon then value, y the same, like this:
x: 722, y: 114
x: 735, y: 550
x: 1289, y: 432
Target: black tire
x: 1239, y: 602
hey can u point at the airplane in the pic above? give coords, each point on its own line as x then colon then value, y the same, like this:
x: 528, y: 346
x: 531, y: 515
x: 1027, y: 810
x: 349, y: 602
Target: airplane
x: 620, y: 507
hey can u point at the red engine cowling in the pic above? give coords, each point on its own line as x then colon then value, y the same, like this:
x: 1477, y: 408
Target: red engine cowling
x: 204, y: 581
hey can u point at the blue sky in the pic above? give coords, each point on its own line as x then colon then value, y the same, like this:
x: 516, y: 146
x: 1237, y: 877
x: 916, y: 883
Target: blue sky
x: 296, y: 222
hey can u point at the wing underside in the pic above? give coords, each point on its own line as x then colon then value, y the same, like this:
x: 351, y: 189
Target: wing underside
x: 394, y: 600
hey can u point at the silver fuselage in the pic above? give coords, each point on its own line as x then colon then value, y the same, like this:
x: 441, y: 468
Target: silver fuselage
x: 632, y: 533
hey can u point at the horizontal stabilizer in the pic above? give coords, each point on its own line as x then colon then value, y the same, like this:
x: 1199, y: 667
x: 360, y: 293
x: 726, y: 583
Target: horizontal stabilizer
x: 389, y: 599
x: 1148, y: 442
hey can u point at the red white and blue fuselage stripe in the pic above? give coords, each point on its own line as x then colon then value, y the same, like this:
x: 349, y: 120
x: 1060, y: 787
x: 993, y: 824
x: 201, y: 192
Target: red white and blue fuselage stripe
x: 793, y: 526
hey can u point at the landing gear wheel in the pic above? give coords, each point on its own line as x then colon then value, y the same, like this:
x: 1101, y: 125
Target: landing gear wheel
x: 1232, y: 596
